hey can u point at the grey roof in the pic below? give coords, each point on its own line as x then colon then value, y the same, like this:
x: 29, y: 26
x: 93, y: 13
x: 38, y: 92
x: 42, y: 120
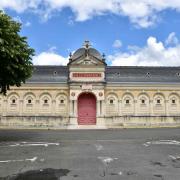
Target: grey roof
x: 143, y: 74
x: 49, y: 74
x: 114, y: 74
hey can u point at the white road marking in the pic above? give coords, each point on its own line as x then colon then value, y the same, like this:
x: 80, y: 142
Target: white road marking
x: 174, y: 157
x: 24, y: 144
x: 32, y: 159
x: 7, y: 161
x: 99, y: 147
x: 107, y: 160
x: 19, y: 160
x: 163, y: 142
x: 120, y: 173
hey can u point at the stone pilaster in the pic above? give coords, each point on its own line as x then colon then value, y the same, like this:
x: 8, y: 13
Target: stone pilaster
x: 75, y: 108
x: 120, y: 107
x: 71, y: 108
x: 53, y: 108
x: 166, y: 107
x: 135, y: 107
x: 103, y: 106
x: 98, y: 108
x: 4, y: 107
x: 151, y: 108
x: 21, y: 107
x: 37, y: 107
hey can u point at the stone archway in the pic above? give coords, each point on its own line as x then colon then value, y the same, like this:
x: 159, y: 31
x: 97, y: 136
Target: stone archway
x: 86, y: 109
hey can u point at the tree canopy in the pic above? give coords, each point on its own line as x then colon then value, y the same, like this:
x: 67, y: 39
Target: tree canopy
x: 15, y: 54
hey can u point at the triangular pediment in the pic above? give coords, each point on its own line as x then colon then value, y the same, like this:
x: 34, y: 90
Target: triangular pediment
x: 87, y: 61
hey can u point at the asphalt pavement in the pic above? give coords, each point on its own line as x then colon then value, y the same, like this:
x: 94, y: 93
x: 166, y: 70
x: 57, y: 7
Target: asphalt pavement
x: 122, y: 154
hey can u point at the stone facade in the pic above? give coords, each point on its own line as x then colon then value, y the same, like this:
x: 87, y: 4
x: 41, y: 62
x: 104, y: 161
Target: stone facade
x: 125, y: 96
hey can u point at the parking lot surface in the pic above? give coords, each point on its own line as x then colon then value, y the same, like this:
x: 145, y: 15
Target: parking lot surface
x: 122, y: 154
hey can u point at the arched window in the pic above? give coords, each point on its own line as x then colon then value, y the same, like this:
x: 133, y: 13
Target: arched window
x: 127, y: 104
x: 61, y: 104
x: 111, y: 104
x: 45, y: 103
x: 13, y: 103
x: 13, y: 100
x: 127, y: 101
x: 111, y: 101
x: 61, y: 100
x: 143, y: 99
x: 143, y: 104
x: 29, y: 100
x: 159, y: 104
x: 174, y: 104
x: 29, y: 103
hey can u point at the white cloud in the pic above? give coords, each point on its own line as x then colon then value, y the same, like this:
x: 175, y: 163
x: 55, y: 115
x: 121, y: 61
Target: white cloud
x: 153, y: 54
x: 27, y: 24
x: 172, y: 39
x: 49, y: 58
x: 117, y: 43
x: 20, y: 5
x: 142, y: 12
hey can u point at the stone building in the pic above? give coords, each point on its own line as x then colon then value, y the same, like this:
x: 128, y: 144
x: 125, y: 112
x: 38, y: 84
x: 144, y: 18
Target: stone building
x: 89, y: 94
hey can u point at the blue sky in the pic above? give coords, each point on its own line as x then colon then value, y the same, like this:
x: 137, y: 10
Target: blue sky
x: 141, y: 33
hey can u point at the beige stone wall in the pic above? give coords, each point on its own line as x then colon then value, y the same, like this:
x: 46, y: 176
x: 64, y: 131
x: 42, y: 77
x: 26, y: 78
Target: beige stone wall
x: 119, y: 101
x: 144, y: 100
x: 36, y: 101
x: 55, y: 106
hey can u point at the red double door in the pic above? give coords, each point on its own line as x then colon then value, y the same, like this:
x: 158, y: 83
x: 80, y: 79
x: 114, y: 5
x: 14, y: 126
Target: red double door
x: 86, y: 109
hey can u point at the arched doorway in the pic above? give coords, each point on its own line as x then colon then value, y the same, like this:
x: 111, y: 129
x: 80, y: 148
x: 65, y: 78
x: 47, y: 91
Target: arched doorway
x: 86, y: 109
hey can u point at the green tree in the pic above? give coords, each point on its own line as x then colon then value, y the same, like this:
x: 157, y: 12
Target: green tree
x: 15, y: 54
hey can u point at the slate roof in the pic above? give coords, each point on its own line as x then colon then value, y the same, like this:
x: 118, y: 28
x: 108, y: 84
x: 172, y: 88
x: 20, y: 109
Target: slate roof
x: 49, y: 74
x: 114, y: 74
x: 143, y: 74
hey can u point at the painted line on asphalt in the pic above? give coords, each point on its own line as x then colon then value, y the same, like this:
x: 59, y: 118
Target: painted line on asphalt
x: 162, y: 142
x: 107, y: 160
x: 174, y: 157
x: 24, y: 144
x: 19, y: 160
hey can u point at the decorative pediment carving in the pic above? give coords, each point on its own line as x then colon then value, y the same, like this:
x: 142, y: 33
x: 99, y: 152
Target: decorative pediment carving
x: 87, y: 61
x: 86, y: 56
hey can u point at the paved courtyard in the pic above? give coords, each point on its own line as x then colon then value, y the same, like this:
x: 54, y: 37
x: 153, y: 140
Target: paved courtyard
x: 123, y: 154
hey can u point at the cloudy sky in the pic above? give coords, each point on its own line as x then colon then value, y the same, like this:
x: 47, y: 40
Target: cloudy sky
x: 129, y: 32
